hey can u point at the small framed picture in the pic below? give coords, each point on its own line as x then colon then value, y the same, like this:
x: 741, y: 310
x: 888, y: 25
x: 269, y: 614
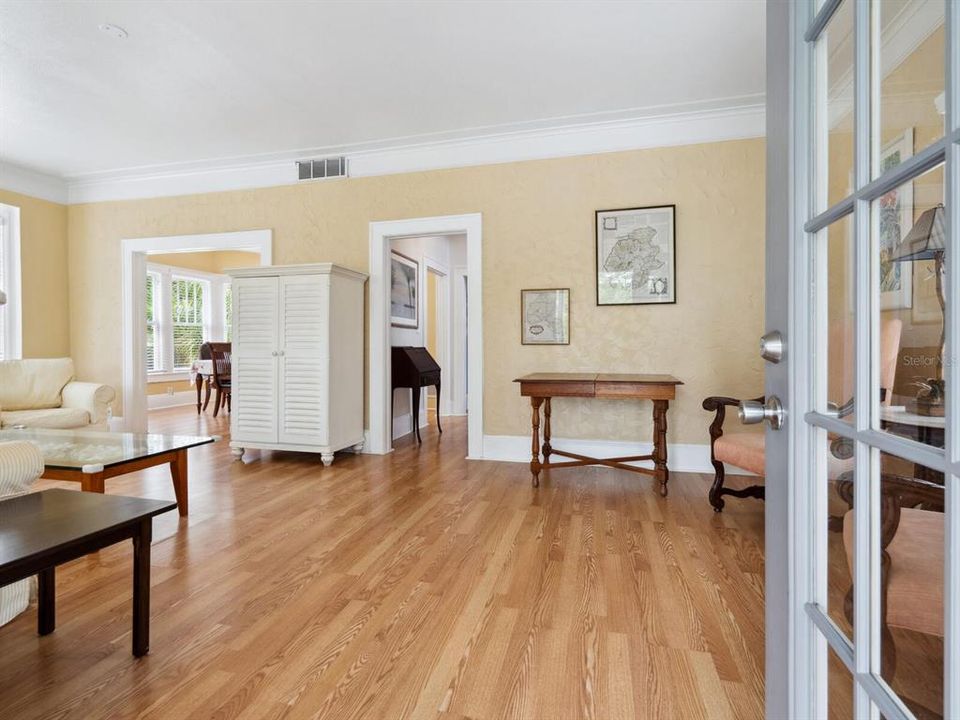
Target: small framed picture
x: 545, y: 316
x: 636, y: 256
x: 404, y: 291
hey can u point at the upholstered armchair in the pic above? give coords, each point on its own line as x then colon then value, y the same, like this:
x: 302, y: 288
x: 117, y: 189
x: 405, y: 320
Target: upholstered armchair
x: 911, y: 562
x: 20, y: 465
x: 745, y: 450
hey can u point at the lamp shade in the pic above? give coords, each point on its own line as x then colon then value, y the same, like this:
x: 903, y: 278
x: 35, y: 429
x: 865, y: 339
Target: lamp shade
x: 925, y: 239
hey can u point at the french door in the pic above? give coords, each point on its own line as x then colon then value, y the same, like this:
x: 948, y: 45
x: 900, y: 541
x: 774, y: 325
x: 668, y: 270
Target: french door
x: 863, y: 514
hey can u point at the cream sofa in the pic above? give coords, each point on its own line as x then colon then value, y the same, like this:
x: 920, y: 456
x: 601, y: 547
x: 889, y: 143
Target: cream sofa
x: 20, y: 465
x: 41, y: 393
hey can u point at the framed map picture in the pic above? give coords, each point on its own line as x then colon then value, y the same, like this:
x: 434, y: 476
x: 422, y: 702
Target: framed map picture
x: 636, y: 256
x: 545, y: 316
x: 404, y: 291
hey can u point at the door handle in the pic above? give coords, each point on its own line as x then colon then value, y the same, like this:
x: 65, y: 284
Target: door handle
x: 274, y: 353
x: 771, y: 347
x: 752, y: 412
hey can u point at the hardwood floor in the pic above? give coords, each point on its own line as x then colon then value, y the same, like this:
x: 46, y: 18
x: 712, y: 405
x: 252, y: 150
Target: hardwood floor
x: 415, y: 585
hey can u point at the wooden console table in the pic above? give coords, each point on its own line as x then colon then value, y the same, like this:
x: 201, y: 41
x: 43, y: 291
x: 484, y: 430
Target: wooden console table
x: 542, y: 387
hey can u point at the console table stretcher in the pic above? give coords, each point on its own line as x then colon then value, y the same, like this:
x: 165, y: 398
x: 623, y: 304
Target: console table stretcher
x: 542, y: 387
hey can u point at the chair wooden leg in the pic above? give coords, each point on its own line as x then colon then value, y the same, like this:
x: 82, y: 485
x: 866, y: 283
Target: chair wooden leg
x: 217, y: 401
x: 717, y: 490
x: 229, y: 395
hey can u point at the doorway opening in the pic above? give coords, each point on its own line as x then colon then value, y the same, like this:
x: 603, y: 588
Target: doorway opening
x: 175, y: 297
x: 459, y: 344
x: 423, y: 315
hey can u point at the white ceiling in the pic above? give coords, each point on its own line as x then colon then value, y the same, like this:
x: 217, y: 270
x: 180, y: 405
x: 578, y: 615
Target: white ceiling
x: 200, y: 81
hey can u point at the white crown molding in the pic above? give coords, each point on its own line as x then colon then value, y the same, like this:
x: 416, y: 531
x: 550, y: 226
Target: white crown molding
x: 661, y: 130
x: 681, y: 457
x: 30, y: 182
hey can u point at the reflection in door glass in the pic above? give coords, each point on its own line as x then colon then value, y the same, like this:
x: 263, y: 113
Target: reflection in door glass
x: 912, y: 540
x: 908, y: 232
x: 834, y: 108
x: 911, y: 72
x: 840, y: 684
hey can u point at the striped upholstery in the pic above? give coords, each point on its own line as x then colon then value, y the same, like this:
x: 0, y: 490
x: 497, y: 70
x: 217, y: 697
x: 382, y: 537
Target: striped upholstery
x: 20, y: 465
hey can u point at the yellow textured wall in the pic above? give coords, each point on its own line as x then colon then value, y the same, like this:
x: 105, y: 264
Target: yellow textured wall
x: 43, y: 265
x: 215, y: 261
x: 538, y: 231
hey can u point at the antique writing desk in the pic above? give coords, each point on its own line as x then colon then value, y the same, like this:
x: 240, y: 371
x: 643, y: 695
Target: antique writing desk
x: 542, y: 387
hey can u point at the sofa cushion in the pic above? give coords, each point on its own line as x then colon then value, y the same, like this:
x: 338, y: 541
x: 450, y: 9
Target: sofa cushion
x: 742, y: 449
x: 33, y: 384
x: 50, y: 418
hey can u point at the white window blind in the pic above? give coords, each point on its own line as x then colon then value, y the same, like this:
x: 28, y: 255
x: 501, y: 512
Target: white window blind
x: 10, y: 282
x: 154, y: 344
x: 227, y: 312
x: 188, y: 325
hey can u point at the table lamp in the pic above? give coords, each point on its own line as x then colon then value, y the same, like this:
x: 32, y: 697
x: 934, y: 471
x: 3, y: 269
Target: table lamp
x: 927, y: 241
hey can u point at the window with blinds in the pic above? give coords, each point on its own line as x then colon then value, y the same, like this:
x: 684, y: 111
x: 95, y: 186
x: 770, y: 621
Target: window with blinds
x: 186, y: 300
x: 154, y: 349
x: 228, y: 312
x: 4, y: 224
x: 10, y: 282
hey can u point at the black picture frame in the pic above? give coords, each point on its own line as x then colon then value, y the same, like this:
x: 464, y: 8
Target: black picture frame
x: 670, y: 293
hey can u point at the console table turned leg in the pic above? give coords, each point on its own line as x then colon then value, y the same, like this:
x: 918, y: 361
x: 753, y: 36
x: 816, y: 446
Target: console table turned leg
x: 547, y: 448
x: 660, y: 443
x: 535, y: 403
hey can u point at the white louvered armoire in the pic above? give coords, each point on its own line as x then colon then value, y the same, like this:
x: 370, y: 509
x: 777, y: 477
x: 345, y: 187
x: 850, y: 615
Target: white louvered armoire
x: 297, y: 359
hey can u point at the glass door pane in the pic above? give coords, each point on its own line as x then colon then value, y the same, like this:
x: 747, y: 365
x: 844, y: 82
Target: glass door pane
x: 834, y: 115
x: 910, y: 75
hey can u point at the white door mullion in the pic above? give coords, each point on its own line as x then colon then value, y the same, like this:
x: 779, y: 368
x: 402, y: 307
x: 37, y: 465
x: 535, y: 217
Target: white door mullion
x: 866, y: 321
x: 951, y: 660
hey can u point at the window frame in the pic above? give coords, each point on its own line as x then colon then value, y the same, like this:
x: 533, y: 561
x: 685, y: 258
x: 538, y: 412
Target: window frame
x: 11, y: 326
x: 213, y: 315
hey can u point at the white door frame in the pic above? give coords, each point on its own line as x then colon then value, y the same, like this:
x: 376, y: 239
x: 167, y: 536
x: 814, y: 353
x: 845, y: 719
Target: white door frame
x: 134, y: 252
x: 442, y: 274
x: 379, y: 439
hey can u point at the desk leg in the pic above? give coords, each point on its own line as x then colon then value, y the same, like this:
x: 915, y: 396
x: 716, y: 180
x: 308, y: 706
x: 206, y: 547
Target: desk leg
x: 535, y: 403
x: 199, y: 381
x: 141, y: 587
x: 439, y: 429
x: 47, y: 600
x: 660, y: 443
x: 547, y: 447
x: 178, y: 472
x: 416, y: 414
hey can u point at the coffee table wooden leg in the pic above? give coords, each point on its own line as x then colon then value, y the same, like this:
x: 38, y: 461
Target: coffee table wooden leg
x: 141, y: 587
x: 92, y: 482
x: 178, y: 471
x: 47, y: 601
x: 660, y: 443
x: 535, y: 403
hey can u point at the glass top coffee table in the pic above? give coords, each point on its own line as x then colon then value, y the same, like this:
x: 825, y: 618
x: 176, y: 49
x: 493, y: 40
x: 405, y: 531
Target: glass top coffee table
x: 90, y: 457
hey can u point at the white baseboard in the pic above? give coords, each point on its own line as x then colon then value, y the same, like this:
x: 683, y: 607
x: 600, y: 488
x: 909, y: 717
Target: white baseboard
x: 402, y: 425
x: 166, y: 400
x: 681, y: 457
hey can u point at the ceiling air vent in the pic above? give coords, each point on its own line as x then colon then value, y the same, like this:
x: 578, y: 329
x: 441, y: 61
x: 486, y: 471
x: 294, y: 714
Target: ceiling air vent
x: 331, y: 167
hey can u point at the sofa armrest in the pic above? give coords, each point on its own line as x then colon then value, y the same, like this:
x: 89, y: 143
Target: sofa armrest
x: 92, y: 397
x: 20, y: 465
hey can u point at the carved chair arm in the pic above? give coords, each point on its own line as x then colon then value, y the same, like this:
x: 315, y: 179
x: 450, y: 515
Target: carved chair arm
x: 718, y: 404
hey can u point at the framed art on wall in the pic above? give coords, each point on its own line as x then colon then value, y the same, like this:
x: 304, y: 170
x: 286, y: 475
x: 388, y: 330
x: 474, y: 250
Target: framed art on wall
x: 636, y: 256
x: 894, y: 221
x: 545, y: 316
x: 404, y: 291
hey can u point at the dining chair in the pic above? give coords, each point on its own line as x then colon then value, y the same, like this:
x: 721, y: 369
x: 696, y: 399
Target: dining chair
x: 220, y: 355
